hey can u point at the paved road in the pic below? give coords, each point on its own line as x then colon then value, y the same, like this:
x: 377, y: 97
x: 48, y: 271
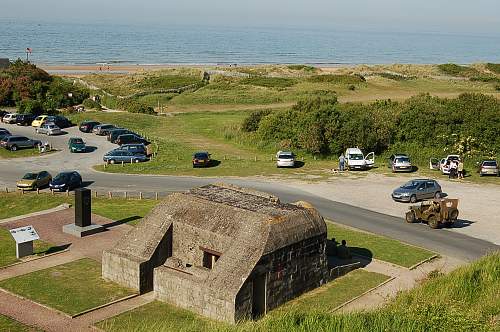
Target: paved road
x: 442, y: 241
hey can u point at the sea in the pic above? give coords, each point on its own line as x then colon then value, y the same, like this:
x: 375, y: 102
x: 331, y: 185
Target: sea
x: 90, y: 44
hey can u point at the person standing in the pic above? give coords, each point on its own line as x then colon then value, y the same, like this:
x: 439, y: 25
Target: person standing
x: 460, y: 169
x: 341, y: 162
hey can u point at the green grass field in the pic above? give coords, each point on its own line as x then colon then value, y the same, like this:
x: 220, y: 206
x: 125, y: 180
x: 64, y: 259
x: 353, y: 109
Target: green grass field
x: 72, y: 287
x: 8, y: 248
x: 379, y: 247
x: 7, y: 324
x: 117, y: 209
x: 7, y: 154
x: 465, y: 300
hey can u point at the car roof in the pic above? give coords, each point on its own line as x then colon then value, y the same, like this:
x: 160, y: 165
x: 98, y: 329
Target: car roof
x: 353, y: 150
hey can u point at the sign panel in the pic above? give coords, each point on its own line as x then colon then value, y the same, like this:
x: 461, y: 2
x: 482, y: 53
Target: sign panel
x: 24, y: 234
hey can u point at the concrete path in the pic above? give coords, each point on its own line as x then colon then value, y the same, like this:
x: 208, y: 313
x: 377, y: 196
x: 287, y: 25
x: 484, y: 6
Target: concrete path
x: 403, y: 279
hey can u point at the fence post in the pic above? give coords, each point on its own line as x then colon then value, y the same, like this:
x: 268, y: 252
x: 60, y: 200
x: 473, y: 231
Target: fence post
x: 52, y: 191
x: 105, y: 165
x: 67, y: 192
x: 125, y: 195
x: 95, y: 194
x: 110, y: 194
x: 38, y: 191
x: 22, y: 191
x: 6, y: 190
x: 122, y: 163
x: 156, y: 195
x: 140, y: 195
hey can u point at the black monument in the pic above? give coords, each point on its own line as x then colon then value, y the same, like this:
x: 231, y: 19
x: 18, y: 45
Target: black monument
x: 83, y: 215
x: 83, y: 204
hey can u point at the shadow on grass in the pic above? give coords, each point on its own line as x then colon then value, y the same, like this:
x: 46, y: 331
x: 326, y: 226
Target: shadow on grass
x: 121, y: 222
x: 336, y: 255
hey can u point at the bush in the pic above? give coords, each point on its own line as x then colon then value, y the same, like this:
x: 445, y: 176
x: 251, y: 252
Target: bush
x: 337, y: 79
x: 351, y: 87
x: 497, y: 87
x: 302, y: 67
x: 91, y: 104
x: 456, y: 70
x: 494, y: 67
x: 133, y: 106
x: 395, y: 77
x: 251, y: 122
x: 486, y: 79
x: 269, y: 82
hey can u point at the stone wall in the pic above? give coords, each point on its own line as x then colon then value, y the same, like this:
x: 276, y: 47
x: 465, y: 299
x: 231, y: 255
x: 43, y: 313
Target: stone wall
x: 186, y: 291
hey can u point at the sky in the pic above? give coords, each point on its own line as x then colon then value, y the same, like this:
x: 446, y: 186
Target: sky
x: 445, y: 16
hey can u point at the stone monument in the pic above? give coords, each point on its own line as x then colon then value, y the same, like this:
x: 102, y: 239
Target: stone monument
x: 83, y: 222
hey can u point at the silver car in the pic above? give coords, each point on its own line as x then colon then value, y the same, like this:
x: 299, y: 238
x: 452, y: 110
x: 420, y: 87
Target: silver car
x: 400, y: 163
x: 285, y: 159
x: 489, y: 167
x: 49, y: 129
x: 417, y: 189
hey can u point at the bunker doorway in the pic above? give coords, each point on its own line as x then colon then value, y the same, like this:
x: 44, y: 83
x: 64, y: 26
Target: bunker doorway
x: 259, y: 296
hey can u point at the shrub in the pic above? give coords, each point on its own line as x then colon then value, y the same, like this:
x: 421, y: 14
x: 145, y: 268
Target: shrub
x: 497, y: 87
x: 252, y: 121
x: 168, y: 82
x: 456, y: 70
x: 494, y: 67
x: 395, y: 77
x: 302, y: 67
x: 351, y: 87
x: 337, y: 79
x: 270, y: 82
x: 486, y: 79
x: 91, y: 104
x: 133, y: 106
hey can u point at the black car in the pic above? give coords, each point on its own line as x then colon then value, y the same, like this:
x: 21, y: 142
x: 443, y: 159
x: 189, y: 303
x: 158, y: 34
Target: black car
x: 4, y: 133
x: 25, y: 119
x: 131, y: 139
x: 14, y: 143
x: 134, y: 148
x: 59, y: 121
x: 66, y: 181
x: 114, y: 133
x: 87, y: 126
x: 201, y: 159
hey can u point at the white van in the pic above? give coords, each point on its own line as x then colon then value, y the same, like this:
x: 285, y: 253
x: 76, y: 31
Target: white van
x: 356, y: 160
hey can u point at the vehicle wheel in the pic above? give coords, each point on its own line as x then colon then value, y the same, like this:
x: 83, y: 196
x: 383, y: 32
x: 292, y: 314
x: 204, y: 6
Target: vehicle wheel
x: 454, y: 215
x: 410, y: 217
x: 433, y: 222
x: 13, y: 148
x: 136, y: 161
x: 413, y: 199
x: 437, y: 195
x: 112, y: 161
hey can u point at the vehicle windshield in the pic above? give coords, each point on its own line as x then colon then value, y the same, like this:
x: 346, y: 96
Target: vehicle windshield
x: 77, y: 141
x: 356, y: 156
x: 403, y: 160
x: 63, y: 177
x: 410, y: 185
x: 453, y: 158
x: 490, y: 163
x: 201, y: 156
x: 30, y: 176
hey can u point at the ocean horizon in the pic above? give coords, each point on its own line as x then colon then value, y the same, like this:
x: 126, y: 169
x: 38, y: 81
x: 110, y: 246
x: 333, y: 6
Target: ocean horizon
x: 114, y: 44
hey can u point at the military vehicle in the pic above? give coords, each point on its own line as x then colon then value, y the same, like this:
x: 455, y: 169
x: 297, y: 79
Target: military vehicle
x: 435, y: 212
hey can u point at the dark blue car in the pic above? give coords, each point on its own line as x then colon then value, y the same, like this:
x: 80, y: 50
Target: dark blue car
x: 118, y: 156
x: 66, y: 181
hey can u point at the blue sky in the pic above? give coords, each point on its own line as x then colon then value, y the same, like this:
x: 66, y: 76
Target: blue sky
x: 446, y: 16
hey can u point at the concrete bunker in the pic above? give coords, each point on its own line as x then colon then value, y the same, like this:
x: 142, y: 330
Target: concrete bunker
x: 225, y: 252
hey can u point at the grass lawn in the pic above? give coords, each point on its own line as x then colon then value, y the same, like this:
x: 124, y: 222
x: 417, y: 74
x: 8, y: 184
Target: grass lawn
x: 117, y: 209
x: 71, y: 288
x: 7, y: 154
x: 379, y: 247
x: 8, y: 248
x: 158, y: 316
x: 7, y: 324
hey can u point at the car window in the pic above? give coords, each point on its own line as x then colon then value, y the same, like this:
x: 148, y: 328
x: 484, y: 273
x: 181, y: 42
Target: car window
x: 490, y: 163
x: 356, y: 156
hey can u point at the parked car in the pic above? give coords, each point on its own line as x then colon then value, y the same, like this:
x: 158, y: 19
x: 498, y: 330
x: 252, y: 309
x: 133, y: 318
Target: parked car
x: 435, y: 213
x: 201, y: 159
x: 76, y: 144
x: 415, y: 190
x: 489, y: 167
x: 100, y: 129
x: 114, y: 133
x: 10, y: 118
x: 87, y: 126
x: 4, y: 133
x: 131, y: 139
x: 66, y: 181
x: 58, y: 120
x: 118, y: 156
x: 443, y: 164
x: 134, y: 148
x: 400, y: 163
x: 25, y: 119
x: 39, y: 120
x: 357, y: 161
x: 285, y: 159
x: 49, y: 129
x: 14, y: 143
x: 32, y: 181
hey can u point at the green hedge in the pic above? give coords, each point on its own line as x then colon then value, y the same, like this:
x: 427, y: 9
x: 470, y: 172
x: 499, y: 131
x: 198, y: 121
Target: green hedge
x: 91, y: 104
x: 337, y: 79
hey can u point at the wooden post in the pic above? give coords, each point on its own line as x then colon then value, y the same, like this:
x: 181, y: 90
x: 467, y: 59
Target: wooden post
x: 110, y: 194
x: 22, y: 191
x: 125, y: 195
x: 67, y: 192
x: 6, y: 190
x: 52, y: 191
x: 255, y: 158
x: 95, y: 194
x: 140, y: 195
x: 156, y: 195
x: 38, y: 191
x: 122, y: 163
x: 105, y: 165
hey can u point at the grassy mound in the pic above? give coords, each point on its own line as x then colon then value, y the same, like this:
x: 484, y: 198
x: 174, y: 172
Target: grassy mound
x: 457, y: 70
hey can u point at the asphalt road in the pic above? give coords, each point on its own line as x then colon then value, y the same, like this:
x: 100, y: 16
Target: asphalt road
x: 441, y: 241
